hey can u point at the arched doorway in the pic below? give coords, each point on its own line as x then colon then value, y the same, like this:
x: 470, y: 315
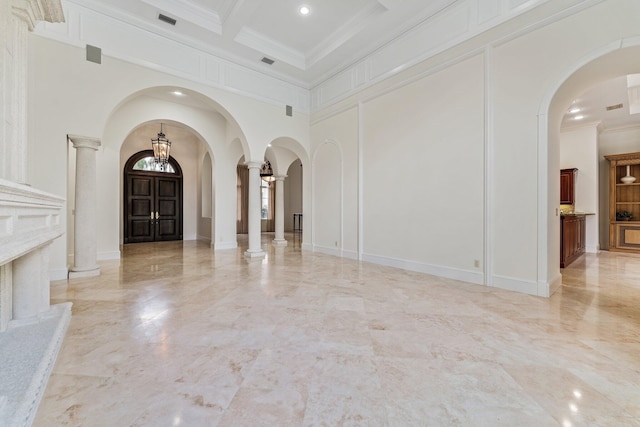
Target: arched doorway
x: 152, y: 199
x: 610, y: 62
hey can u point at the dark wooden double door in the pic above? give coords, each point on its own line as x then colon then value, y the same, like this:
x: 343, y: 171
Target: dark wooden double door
x: 153, y: 208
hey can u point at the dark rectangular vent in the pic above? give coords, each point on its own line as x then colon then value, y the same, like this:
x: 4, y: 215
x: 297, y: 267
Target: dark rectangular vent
x: 289, y: 111
x: 94, y: 54
x: 614, y: 107
x: 165, y: 18
x: 267, y: 60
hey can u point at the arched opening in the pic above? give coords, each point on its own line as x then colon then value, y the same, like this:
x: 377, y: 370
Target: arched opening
x: 152, y: 204
x: 612, y: 62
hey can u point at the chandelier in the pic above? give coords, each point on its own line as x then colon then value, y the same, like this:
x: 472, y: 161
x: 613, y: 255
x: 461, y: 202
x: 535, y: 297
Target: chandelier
x: 266, y: 173
x: 161, y: 147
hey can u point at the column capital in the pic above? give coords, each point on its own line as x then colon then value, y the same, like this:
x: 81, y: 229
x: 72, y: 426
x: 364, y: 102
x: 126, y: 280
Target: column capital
x: 79, y: 141
x: 279, y: 177
x: 254, y: 165
x: 32, y: 11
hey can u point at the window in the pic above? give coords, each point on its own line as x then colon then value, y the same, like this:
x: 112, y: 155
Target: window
x: 264, y: 199
x: 150, y: 165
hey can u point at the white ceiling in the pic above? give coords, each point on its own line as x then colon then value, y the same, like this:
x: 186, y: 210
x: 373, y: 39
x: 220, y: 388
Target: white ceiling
x: 593, y: 105
x: 310, y: 49
x: 307, y: 49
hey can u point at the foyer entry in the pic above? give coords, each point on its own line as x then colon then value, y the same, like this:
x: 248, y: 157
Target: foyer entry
x: 152, y: 199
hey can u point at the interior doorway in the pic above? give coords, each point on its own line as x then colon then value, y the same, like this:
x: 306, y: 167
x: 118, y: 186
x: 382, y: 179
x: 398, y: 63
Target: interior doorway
x: 152, y: 199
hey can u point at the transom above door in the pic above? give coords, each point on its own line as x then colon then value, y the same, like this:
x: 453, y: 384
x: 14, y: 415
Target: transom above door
x: 152, y: 199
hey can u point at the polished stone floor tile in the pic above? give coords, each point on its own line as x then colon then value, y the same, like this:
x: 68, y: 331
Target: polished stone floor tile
x: 176, y: 335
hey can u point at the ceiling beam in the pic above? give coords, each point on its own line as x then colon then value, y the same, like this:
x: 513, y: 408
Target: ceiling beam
x: 241, y: 13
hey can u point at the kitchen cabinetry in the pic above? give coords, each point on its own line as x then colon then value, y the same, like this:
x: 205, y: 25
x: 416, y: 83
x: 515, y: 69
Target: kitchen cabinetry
x: 573, y: 236
x: 567, y: 186
x: 624, y: 203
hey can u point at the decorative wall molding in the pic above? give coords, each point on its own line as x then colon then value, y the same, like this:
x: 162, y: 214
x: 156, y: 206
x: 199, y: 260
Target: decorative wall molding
x: 182, y: 58
x: 196, y: 61
x: 454, y: 25
x: 469, y: 276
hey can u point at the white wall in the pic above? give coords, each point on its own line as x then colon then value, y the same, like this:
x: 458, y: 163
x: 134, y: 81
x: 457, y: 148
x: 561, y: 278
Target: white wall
x: 453, y: 152
x: 292, y: 194
x: 342, y: 131
x: 579, y: 149
x: 205, y: 202
x: 69, y: 95
x: 327, y: 184
x: 460, y: 153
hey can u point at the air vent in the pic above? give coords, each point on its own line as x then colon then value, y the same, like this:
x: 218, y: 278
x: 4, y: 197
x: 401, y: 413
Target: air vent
x: 289, y: 111
x: 168, y: 20
x: 94, y: 54
x: 267, y: 60
x: 614, y: 107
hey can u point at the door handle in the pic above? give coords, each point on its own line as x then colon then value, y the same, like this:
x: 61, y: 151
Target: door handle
x: 151, y: 216
x: 157, y: 215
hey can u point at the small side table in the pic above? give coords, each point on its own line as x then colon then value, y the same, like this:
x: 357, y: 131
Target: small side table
x: 298, y: 217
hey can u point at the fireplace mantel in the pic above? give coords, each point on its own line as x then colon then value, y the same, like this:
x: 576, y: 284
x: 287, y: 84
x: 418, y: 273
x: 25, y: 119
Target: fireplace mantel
x: 29, y: 218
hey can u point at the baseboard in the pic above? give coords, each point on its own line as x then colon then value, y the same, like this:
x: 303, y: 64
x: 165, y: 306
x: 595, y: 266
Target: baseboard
x: 517, y: 285
x: 204, y: 239
x: 307, y: 247
x: 592, y: 249
x: 218, y: 246
x: 327, y: 250
x: 350, y: 254
x: 109, y: 255
x: 58, y: 274
x: 546, y: 289
x: 475, y: 277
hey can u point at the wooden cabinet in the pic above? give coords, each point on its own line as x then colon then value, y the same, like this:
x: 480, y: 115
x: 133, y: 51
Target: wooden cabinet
x: 573, y: 236
x: 567, y: 186
x: 624, y: 200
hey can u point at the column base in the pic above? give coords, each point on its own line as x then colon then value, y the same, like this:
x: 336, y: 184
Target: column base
x: 279, y: 242
x: 76, y: 272
x: 258, y: 254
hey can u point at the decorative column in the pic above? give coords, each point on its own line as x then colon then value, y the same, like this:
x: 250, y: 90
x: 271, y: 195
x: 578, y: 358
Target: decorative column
x: 85, y: 224
x: 279, y: 238
x: 255, y: 250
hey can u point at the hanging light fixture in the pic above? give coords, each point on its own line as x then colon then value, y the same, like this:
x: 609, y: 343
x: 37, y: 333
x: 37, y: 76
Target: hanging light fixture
x: 161, y: 147
x: 266, y: 173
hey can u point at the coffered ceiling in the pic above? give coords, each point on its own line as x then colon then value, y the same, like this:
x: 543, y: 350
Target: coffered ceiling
x: 307, y: 49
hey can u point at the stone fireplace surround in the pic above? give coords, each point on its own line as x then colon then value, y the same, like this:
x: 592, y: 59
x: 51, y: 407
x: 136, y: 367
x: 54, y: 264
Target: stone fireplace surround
x: 31, y: 330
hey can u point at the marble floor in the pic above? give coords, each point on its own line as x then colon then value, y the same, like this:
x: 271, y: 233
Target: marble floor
x: 174, y: 335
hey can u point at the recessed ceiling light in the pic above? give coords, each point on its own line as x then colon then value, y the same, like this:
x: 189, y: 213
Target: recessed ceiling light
x: 578, y: 117
x: 177, y: 93
x: 304, y: 10
x: 574, y: 110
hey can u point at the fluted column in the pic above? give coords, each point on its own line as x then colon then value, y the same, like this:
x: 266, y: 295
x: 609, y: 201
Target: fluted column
x: 255, y: 250
x: 279, y: 237
x: 85, y: 224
